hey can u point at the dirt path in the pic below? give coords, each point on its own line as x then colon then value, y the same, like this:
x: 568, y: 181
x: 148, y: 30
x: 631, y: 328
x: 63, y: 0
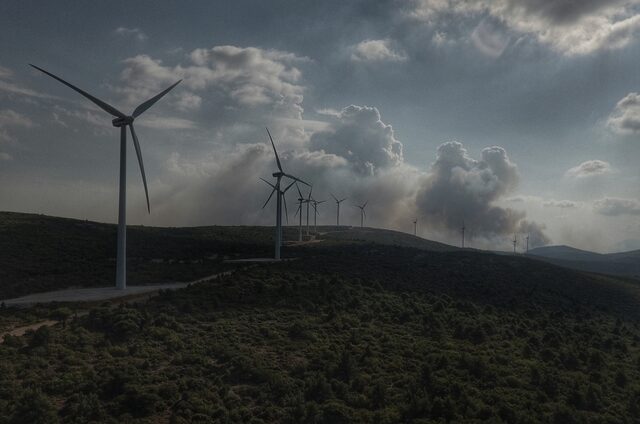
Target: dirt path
x: 21, y: 331
x: 134, y: 293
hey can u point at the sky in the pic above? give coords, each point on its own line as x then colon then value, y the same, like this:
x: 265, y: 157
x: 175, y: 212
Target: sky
x: 516, y: 117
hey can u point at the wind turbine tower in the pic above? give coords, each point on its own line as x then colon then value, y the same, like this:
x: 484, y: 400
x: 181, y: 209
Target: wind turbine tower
x: 415, y: 227
x: 527, y: 243
x: 338, y: 211
x: 279, y: 196
x: 121, y: 121
x: 515, y: 243
x: 315, y: 204
x: 463, y: 228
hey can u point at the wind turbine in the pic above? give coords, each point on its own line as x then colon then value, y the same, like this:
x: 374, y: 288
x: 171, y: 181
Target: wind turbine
x: 121, y: 121
x: 301, y: 200
x: 308, y: 201
x: 315, y: 204
x: 279, y: 196
x: 338, y: 212
x: 415, y: 227
x: 463, y: 228
x: 527, y: 243
x: 362, y: 213
x: 515, y: 242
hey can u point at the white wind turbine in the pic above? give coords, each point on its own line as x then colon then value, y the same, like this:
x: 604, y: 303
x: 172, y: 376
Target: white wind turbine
x: 301, y: 201
x: 315, y: 204
x: 121, y: 121
x: 362, y: 213
x: 279, y: 196
x: 338, y: 211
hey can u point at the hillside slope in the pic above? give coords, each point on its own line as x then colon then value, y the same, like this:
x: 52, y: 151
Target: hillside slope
x: 349, y: 333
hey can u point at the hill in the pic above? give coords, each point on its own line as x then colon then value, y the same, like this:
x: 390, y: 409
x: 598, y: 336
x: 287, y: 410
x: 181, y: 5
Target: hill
x: 42, y: 253
x: 348, y: 333
x: 622, y: 264
x: 380, y: 236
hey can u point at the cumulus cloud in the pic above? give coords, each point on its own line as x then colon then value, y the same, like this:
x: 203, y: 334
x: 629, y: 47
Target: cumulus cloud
x: 376, y: 51
x: 360, y: 136
x: 134, y: 33
x: 625, y: 118
x: 459, y: 188
x: 226, y: 88
x: 590, y: 168
x: 614, y: 206
x: 569, y: 27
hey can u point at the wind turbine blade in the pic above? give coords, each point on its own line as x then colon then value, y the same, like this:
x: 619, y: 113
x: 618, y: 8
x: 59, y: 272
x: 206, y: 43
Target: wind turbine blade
x: 146, y: 105
x: 310, y: 191
x: 284, y: 200
x: 104, y: 106
x: 288, y: 187
x: 365, y: 204
x: 269, y: 198
x: 334, y: 197
x: 272, y: 186
x: 299, y: 192
x: 296, y: 178
x: 275, y: 151
x: 343, y: 199
x: 298, y: 210
x: 136, y: 144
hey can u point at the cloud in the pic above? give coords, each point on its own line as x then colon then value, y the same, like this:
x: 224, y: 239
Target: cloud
x: 590, y: 168
x: 459, y: 188
x: 563, y: 204
x: 360, y: 136
x: 613, y: 206
x: 5, y: 156
x: 376, y: 51
x: 134, y: 33
x: 489, y: 39
x: 625, y: 118
x: 5, y: 73
x: 11, y: 88
x: 567, y: 26
x: 10, y: 118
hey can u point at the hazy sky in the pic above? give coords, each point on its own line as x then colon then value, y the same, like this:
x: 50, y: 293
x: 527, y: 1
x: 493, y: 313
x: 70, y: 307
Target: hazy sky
x: 514, y: 115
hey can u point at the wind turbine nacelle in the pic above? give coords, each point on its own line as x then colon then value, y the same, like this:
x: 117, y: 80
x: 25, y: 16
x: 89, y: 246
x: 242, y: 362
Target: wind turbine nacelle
x: 277, y: 174
x: 121, y: 122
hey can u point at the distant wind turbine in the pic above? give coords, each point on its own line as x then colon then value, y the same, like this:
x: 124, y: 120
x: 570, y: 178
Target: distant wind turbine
x: 121, y: 121
x: 362, y: 213
x: 315, y: 204
x: 308, y: 202
x: 338, y: 211
x: 463, y: 228
x: 527, y: 243
x: 279, y: 197
x: 301, y: 201
x: 515, y: 242
x: 415, y: 227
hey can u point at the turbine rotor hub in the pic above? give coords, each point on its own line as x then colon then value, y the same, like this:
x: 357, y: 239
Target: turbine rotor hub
x: 121, y: 122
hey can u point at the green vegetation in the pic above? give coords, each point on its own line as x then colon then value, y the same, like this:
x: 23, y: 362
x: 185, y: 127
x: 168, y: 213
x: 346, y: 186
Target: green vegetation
x: 352, y: 333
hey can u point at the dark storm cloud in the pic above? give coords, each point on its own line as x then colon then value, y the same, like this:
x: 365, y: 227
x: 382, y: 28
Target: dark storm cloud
x: 459, y: 188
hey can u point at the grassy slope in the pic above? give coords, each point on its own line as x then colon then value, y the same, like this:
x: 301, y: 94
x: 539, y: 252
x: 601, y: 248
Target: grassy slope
x: 363, y: 333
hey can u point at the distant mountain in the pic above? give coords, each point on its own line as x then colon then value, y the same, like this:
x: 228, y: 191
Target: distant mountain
x: 623, y: 263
